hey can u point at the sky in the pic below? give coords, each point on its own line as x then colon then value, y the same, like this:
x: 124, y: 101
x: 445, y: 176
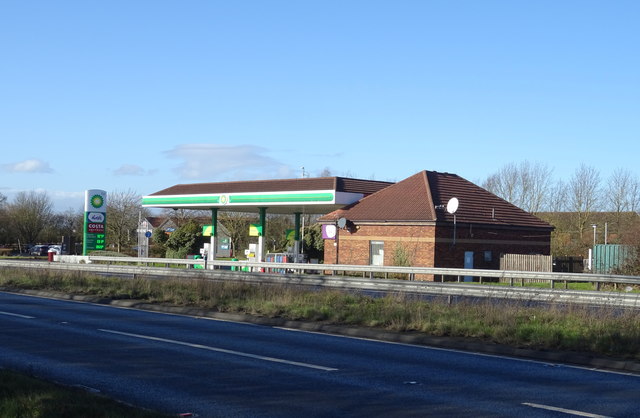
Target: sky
x: 140, y: 95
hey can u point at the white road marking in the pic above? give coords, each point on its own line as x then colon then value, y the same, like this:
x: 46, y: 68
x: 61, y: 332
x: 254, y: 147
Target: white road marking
x: 462, y: 351
x: 18, y: 315
x: 564, y: 411
x: 222, y: 350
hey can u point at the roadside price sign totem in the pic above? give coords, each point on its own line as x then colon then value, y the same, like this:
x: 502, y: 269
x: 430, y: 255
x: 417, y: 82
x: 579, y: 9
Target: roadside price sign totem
x: 95, y: 220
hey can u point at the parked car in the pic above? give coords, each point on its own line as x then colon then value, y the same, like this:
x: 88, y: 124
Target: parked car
x: 39, y: 250
x: 56, y: 249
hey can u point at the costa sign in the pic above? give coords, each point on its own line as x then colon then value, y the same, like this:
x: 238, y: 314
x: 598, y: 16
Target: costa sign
x: 94, y: 228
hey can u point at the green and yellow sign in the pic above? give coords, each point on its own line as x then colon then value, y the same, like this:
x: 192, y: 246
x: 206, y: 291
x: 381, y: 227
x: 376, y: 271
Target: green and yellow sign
x: 95, y: 221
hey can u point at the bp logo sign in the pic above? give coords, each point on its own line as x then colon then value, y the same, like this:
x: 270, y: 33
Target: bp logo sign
x: 97, y: 201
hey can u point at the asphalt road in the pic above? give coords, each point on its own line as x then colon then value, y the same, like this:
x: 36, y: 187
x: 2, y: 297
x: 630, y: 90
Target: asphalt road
x: 213, y: 368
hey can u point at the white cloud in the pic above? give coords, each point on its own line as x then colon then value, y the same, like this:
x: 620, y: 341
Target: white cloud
x: 62, y: 200
x: 28, y: 166
x: 224, y: 162
x: 129, y: 170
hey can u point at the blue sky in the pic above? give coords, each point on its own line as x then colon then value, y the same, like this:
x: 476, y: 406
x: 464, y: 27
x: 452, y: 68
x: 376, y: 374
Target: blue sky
x: 141, y: 95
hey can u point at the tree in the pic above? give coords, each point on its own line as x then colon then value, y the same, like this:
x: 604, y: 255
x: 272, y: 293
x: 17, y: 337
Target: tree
x: 623, y: 196
x: 557, y: 197
x: 313, y: 243
x: 185, y: 240
x: 29, y: 215
x: 276, y: 234
x: 526, y: 185
x: 583, y: 196
x: 66, y: 225
x: 4, y: 224
x: 504, y: 183
x: 181, y: 217
x: 326, y: 172
x: 159, y: 240
x: 123, y: 213
x: 237, y: 225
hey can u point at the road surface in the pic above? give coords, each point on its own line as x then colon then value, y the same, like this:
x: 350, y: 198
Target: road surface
x: 179, y: 364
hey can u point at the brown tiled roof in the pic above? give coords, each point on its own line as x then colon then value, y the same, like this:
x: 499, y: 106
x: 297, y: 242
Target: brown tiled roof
x: 339, y: 184
x: 415, y: 199
x: 156, y: 221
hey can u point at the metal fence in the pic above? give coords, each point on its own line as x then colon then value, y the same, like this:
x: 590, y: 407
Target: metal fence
x: 359, y: 278
x: 510, y: 277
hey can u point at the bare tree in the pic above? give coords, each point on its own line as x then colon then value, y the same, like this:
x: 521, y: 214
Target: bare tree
x: 181, y: 217
x: 526, y: 185
x: 123, y: 212
x: 65, y: 224
x: 237, y: 225
x: 622, y: 195
x: 584, y: 196
x: 326, y: 172
x: 4, y: 224
x: 556, y: 200
x: 29, y: 215
x: 504, y: 183
x: 536, y: 183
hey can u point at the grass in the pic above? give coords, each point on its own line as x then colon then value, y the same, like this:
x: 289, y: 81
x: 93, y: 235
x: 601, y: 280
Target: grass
x: 604, y: 331
x: 23, y: 396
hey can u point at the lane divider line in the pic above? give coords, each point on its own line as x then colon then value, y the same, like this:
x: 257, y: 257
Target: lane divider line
x: 564, y: 411
x: 17, y: 315
x: 222, y: 350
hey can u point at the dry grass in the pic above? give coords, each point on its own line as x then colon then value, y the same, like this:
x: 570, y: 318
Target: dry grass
x: 27, y: 397
x: 605, y: 331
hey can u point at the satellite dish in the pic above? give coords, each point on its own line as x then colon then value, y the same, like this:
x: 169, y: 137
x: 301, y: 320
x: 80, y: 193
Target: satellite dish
x: 452, y: 205
x: 342, y: 222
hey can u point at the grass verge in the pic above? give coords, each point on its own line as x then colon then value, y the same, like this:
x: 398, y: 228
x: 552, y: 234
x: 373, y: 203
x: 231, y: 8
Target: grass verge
x: 26, y: 397
x: 606, y: 331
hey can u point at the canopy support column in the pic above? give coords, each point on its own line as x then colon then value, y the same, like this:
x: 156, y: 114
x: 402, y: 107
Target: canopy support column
x: 296, y: 238
x: 261, y: 233
x: 214, y: 233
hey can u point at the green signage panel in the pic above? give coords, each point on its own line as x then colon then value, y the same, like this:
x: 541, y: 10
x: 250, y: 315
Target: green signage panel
x: 95, y: 221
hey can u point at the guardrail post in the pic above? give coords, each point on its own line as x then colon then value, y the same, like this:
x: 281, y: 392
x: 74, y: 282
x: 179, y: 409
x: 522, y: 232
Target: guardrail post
x: 552, y: 283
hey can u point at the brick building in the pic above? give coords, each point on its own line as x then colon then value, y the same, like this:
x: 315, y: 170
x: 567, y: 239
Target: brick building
x: 407, y: 223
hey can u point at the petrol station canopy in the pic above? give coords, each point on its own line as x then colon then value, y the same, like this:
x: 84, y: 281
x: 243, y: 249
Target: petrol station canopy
x: 320, y: 195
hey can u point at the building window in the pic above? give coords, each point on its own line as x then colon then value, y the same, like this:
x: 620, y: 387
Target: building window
x: 376, y: 253
x: 488, y: 256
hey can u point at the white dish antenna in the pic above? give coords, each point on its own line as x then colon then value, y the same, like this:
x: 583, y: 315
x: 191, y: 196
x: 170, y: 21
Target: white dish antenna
x: 452, y: 205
